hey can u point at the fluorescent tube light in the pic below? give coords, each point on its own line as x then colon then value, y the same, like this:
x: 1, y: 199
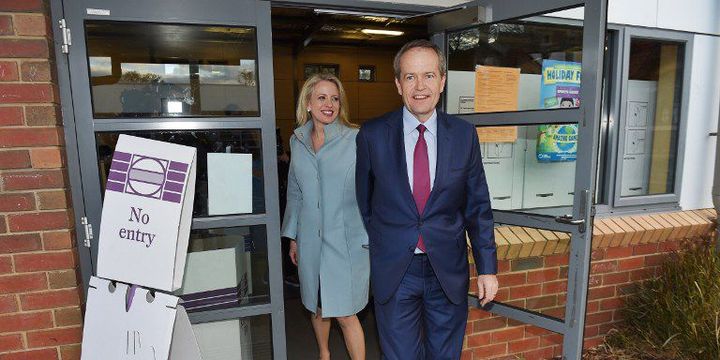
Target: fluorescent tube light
x: 382, y: 32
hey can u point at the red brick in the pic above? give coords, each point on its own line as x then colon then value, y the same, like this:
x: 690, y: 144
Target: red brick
x: 544, y: 353
x: 597, y: 254
x: 38, y: 221
x: 595, y: 280
x: 531, y: 331
x: 490, y: 324
x: 43, y: 354
x: 592, y: 306
x: 68, y: 317
x: 540, y: 276
x: 53, y: 200
x: 556, y: 260
x: 21, y: 5
x: 3, y: 224
x: 503, y: 266
x: 30, y: 25
x: 44, y: 261
x: 478, y: 340
x: 36, y: 71
x: 591, y: 343
x: 5, y: 265
x: 25, y: 321
x: 611, y: 304
x: 598, y: 318
x: 604, y: 329
x: 42, y: 116
x: 632, y: 263
x: 70, y: 352
x: 523, y: 345
x: 601, y: 292
x: 11, y: 116
x: 57, y: 240
x: 521, y: 292
x: 25, y: 48
x: 485, y: 352
x: 17, y: 243
x: 618, y: 252
x: 642, y: 274
x: 591, y: 330
x: 24, y: 137
x: 8, y: 69
x: 8, y: 304
x: 50, y: 299
x: 54, y: 337
x: 513, y: 279
x: 616, y: 278
x: 655, y: 260
x: 542, y: 302
x: 554, y: 287
x: 6, y: 27
x: 551, y: 340
x: 48, y: 158
x: 10, y: 343
x: 669, y: 246
x: 27, y: 93
x: 603, y: 267
x: 508, y: 334
x: 10, y: 284
x: 14, y: 159
x: 62, y: 279
x: 645, y: 249
x: 16, y: 202
x: 27, y: 180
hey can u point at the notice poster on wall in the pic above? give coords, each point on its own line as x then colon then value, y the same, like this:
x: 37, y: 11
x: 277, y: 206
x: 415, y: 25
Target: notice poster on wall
x: 496, y: 89
x: 559, y: 88
x: 229, y: 183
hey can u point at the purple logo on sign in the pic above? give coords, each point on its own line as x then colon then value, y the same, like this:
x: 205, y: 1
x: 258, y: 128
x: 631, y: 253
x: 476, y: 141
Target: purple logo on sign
x: 147, y: 176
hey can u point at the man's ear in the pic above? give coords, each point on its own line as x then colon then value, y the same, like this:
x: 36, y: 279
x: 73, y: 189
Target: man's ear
x: 442, y: 83
x: 399, y: 88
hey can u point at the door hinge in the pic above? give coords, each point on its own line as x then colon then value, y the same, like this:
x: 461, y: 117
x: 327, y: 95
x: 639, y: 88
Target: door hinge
x: 88, y: 231
x: 66, y: 37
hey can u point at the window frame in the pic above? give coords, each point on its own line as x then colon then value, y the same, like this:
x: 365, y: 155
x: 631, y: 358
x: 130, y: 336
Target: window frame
x: 657, y: 200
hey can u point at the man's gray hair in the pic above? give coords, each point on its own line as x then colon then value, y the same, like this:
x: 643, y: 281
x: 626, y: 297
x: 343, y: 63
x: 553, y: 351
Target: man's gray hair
x: 423, y: 44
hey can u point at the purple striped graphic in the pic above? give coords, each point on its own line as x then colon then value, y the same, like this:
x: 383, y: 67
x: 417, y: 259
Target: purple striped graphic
x: 122, y: 156
x: 117, y: 176
x: 172, y: 197
x: 115, y: 186
x: 119, y: 166
x: 178, y: 166
x: 173, y: 186
x: 175, y: 176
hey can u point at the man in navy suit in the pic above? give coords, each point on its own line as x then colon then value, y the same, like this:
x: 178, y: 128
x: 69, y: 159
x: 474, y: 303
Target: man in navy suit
x: 420, y: 187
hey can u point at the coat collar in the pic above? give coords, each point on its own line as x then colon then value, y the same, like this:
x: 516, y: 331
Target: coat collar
x: 332, y: 131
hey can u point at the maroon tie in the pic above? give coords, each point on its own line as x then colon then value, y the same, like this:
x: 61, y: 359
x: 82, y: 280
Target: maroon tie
x: 421, y: 177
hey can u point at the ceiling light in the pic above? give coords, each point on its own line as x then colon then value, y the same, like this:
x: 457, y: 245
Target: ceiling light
x: 382, y: 32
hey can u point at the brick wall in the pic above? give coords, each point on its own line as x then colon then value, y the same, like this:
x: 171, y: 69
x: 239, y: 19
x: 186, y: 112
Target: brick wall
x: 40, y: 316
x: 619, y: 260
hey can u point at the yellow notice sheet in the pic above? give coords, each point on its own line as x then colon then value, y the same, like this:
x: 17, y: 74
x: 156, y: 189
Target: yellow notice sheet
x: 496, y: 89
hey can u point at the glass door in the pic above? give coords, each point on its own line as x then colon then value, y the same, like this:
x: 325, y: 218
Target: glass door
x: 529, y: 76
x: 197, y: 74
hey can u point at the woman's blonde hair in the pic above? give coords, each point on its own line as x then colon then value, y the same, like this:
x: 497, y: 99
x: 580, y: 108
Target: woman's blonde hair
x: 302, y: 115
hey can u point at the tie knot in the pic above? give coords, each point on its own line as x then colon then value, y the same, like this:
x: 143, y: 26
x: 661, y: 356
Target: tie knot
x: 421, y: 128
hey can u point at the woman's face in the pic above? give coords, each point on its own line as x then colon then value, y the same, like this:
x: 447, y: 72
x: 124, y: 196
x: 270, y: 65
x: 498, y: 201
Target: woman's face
x: 324, y: 104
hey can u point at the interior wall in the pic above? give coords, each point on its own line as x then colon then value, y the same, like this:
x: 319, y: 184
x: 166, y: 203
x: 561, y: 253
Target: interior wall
x: 366, y: 100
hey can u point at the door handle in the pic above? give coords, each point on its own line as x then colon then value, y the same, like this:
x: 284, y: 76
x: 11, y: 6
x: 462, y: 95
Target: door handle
x: 567, y: 219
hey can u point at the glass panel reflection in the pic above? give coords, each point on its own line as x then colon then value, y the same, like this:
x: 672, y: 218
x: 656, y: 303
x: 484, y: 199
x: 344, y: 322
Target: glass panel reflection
x: 226, y: 268
x: 152, y: 70
x: 514, y: 65
x: 222, y: 186
x: 246, y: 338
x: 530, y: 168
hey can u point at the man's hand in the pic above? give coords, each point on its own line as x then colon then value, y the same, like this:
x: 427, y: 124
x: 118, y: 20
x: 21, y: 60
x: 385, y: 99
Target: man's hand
x: 487, y: 288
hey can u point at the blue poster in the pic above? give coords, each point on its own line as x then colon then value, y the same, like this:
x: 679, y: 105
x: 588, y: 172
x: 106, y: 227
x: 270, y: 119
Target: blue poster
x: 559, y: 88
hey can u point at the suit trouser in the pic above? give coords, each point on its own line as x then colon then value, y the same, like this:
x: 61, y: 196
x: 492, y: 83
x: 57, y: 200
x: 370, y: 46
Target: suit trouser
x: 419, y: 321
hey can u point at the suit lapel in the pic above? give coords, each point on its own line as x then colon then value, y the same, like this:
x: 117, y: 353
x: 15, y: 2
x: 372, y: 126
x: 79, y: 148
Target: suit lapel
x: 443, y: 155
x: 396, y: 140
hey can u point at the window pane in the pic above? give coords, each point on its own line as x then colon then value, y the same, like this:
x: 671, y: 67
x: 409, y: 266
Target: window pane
x: 154, y: 70
x: 530, y: 168
x: 246, y: 338
x: 229, y: 170
x: 652, y: 117
x: 225, y: 268
x: 514, y: 65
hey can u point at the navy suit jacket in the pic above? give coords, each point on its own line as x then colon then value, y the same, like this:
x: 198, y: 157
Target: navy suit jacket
x: 459, y: 202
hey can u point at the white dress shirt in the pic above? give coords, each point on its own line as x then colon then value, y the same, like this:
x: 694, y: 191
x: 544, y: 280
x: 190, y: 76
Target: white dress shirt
x: 411, y: 133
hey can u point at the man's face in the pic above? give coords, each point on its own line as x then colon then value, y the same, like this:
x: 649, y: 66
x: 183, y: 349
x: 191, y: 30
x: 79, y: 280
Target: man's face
x: 420, y: 83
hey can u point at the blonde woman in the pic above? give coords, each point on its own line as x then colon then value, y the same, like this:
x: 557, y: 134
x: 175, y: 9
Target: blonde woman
x: 322, y: 215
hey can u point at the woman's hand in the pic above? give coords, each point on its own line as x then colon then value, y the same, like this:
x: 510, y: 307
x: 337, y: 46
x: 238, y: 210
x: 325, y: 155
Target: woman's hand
x: 293, y: 252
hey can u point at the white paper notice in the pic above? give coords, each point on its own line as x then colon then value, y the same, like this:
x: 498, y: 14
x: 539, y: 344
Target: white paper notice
x: 229, y: 183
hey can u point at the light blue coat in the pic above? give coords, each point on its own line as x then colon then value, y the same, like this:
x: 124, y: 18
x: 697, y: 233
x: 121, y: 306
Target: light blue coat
x: 322, y: 215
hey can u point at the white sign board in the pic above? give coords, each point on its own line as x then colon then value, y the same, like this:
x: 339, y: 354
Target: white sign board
x: 147, y: 213
x: 229, y: 183
x: 151, y: 328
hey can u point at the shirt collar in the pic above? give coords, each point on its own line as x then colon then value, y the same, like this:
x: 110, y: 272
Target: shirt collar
x: 410, y: 122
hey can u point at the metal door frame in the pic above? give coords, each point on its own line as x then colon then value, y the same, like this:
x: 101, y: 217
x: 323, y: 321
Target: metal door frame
x: 587, y: 116
x: 80, y: 129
